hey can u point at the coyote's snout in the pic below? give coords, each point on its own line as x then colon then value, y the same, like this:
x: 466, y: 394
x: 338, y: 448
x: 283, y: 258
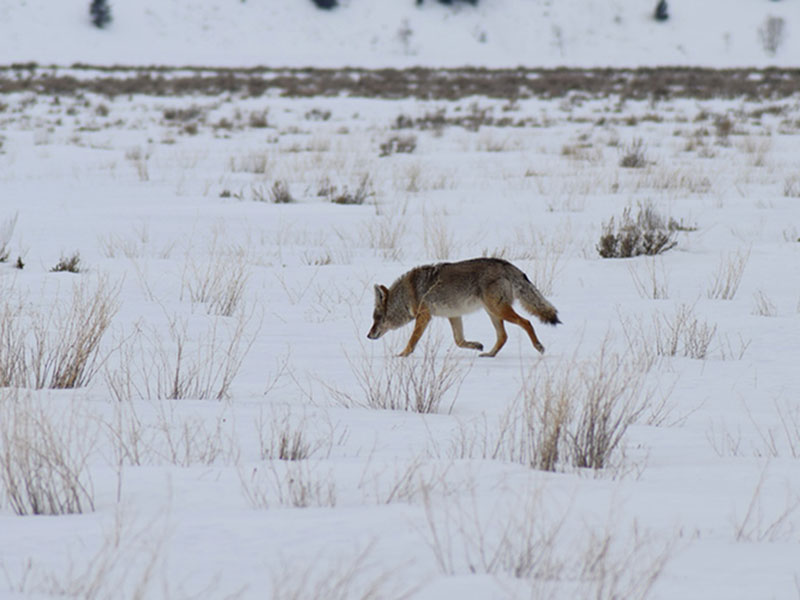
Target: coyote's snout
x: 455, y: 289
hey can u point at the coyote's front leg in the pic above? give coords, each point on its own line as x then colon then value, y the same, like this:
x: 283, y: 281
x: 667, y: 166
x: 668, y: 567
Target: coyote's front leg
x: 423, y: 318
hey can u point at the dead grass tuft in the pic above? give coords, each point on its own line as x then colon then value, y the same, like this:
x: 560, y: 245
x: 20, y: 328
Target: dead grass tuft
x: 44, y: 458
x: 422, y: 383
x: 58, y: 347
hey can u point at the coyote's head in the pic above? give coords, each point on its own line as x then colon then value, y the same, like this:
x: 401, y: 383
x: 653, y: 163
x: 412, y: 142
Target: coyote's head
x: 380, y: 321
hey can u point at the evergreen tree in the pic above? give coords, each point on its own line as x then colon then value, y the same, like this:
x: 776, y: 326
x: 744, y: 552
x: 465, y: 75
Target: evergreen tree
x: 661, y: 11
x: 100, y: 12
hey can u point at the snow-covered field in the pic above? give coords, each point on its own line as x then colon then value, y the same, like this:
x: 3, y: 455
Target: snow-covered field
x: 273, y: 472
x: 402, y: 33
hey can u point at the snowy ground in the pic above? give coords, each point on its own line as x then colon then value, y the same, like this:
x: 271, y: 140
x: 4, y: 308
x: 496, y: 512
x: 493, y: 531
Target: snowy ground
x: 400, y: 33
x: 168, y: 202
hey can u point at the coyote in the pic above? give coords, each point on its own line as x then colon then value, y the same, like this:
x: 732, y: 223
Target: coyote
x: 455, y: 289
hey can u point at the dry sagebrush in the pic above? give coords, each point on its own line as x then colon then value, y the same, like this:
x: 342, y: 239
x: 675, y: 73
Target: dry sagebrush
x: 44, y: 456
x: 56, y: 346
x: 423, y: 383
x: 521, y: 539
x: 574, y: 414
x: 6, y: 231
x: 180, y: 364
x: 648, y: 233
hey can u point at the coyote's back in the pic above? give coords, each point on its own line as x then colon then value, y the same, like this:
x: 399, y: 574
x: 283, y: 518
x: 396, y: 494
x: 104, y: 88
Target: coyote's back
x: 455, y: 289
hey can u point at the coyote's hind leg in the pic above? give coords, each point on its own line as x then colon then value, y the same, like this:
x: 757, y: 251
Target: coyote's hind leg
x: 502, y: 311
x: 502, y: 336
x: 458, y: 335
x: 509, y: 314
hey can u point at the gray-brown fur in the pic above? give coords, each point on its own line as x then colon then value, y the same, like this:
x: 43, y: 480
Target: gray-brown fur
x: 455, y: 289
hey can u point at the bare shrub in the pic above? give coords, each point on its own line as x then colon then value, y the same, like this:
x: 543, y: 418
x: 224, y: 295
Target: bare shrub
x: 318, y: 114
x: 633, y: 155
x: 763, y: 305
x: 410, y: 481
x: 781, y: 439
x: 258, y: 119
x: 490, y: 142
x: 191, y: 113
x: 730, y: 350
x: 612, y: 568
x: 6, y: 231
x: 340, y: 577
x: 723, y: 441
x: 697, y: 339
x: 398, y: 144
x: 127, y: 565
x: 422, y: 383
x: 437, y: 237
x: 280, y: 438
x: 729, y: 275
x: 138, y: 158
x: 754, y: 526
x: 771, y: 34
x: 131, y: 439
x: 522, y: 540
x: 58, y: 347
x: 790, y: 426
x: 169, y: 436
x: 72, y: 358
x: 682, y: 333
x: 648, y: 234
x: 44, y: 458
x: 677, y: 180
x: 186, y: 440
x: 288, y: 483
x: 519, y: 541
x: 572, y: 414
x: 653, y: 283
x: 175, y: 366
x: 411, y: 180
x: 255, y: 162
x: 724, y: 126
x: 219, y: 282
x: 68, y: 264
x: 582, y: 151
x: 279, y: 193
x: 756, y: 149
x: 112, y: 246
x: 547, y: 410
x: 791, y: 186
x: 385, y: 232
x: 14, y: 345
x: 356, y: 197
x: 133, y: 246
x: 610, y: 398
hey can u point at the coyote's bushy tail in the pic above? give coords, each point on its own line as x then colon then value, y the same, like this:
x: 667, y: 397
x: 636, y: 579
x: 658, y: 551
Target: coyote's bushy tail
x: 533, y: 301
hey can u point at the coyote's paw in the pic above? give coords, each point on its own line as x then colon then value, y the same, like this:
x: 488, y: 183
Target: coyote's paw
x: 540, y: 348
x: 405, y: 352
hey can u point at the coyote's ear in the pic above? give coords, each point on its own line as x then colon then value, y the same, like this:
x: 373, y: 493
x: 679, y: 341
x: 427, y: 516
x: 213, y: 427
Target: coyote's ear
x: 381, y: 294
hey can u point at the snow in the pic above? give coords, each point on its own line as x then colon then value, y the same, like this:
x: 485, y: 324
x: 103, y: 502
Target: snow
x: 398, y: 33
x: 189, y: 496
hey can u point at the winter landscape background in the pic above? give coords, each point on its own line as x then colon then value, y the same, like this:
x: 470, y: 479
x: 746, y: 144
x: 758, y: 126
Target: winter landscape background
x: 189, y: 406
